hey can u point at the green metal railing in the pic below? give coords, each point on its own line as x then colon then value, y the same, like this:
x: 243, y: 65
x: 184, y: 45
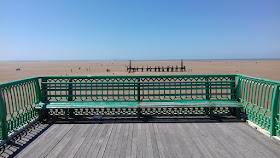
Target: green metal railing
x: 259, y: 97
x: 17, y: 101
x: 277, y: 115
x: 139, y: 88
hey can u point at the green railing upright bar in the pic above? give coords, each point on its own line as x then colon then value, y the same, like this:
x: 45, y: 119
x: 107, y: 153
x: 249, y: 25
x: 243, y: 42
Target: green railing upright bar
x: 274, y: 107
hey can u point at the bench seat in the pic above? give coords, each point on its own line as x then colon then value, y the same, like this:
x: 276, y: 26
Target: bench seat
x: 191, y: 104
x: 139, y: 106
x: 86, y: 104
x: 134, y: 104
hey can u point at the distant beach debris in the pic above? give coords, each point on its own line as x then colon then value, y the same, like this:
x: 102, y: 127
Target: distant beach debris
x: 17, y: 69
x: 168, y: 68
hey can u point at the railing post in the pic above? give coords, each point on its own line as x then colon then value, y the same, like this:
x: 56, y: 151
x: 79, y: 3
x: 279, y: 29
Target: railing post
x: 138, y: 90
x: 274, y: 110
x: 235, y: 94
x: 138, y: 98
x: 70, y: 98
x: 44, y: 93
x: 43, y: 98
x: 70, y: 90
x: 237, y: 91
x: 3, y: 115
x: 207, y: 97
x: 232, y: 90
x: 38, y: 91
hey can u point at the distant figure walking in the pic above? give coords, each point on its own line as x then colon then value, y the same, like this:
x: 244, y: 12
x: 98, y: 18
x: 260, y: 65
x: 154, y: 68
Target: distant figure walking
x: 108, y: 70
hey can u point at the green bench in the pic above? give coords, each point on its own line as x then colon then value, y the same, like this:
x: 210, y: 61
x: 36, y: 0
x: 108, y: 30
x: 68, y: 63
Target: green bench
x: 138, y: 95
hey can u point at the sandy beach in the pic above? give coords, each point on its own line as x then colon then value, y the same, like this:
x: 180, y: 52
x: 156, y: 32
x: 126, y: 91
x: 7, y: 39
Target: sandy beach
x: 268, y: 69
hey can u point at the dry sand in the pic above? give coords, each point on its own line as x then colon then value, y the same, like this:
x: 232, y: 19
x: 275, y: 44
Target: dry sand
x: 268, y: 69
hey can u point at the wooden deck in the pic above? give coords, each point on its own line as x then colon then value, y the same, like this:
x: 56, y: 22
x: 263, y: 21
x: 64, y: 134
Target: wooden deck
x: 161, y: 138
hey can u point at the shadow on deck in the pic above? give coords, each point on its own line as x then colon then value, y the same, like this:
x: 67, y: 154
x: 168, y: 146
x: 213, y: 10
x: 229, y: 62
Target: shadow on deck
x: 165, y: 137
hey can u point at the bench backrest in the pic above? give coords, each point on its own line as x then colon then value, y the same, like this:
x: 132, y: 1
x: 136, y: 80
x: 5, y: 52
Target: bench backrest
x: 138, y: 88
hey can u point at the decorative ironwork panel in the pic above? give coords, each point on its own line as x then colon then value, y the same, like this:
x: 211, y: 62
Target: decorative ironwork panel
x: 173, y: 111
x: 256, y: 97
x: 89, y: 89
x: 19, y: 99
x: 96, y: 111
x: 139, y: 88
x: 188, y: 87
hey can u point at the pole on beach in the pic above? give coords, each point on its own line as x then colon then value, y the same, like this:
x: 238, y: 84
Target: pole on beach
x: 182, y: 65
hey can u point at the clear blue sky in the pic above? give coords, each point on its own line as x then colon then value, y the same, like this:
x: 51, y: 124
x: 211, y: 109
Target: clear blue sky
x: 139, y: 29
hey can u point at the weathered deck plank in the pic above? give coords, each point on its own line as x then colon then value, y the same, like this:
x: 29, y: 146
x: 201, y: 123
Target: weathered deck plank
x: 155, y: 139
x: 72, y: 147
x: 86, y: 144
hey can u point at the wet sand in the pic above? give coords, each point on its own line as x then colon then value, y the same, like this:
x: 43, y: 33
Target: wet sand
x: 268, y: 69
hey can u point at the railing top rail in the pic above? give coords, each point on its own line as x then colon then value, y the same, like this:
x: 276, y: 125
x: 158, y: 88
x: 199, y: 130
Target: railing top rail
x: 261, y: 79
x: 6, y: 84
x: 143, y: 76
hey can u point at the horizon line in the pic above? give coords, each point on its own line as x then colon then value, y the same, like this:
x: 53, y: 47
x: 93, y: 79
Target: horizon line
x: 141, y: 60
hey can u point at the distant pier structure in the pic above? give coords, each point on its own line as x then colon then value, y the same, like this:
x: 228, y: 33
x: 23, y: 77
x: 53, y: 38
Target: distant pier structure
x: 157, y: 68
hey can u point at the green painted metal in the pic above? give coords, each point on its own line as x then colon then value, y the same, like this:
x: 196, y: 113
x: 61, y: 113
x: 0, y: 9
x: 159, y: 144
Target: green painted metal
x: 3, y: 117
x: 86, y: 104
x: 260, y: 99
x: 274, y: 110
x: 277, y: 116
x: 17, y: 102
x: 161, y: 95
x: 134, y: 104
x: 139, y: 88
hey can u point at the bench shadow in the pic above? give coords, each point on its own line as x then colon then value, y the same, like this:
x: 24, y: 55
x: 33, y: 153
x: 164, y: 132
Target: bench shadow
x: 147, y: 119
x: 23, y: 139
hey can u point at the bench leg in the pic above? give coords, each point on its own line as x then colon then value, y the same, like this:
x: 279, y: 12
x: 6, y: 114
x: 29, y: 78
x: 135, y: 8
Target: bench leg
x: 206, y: 111
x: 71, y: 113
x: 138, y: 113
x: 237, y: 113
x: 42, y: 114
x: 232, y: 111
x: 66, y: 114
x: 211, y: 114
